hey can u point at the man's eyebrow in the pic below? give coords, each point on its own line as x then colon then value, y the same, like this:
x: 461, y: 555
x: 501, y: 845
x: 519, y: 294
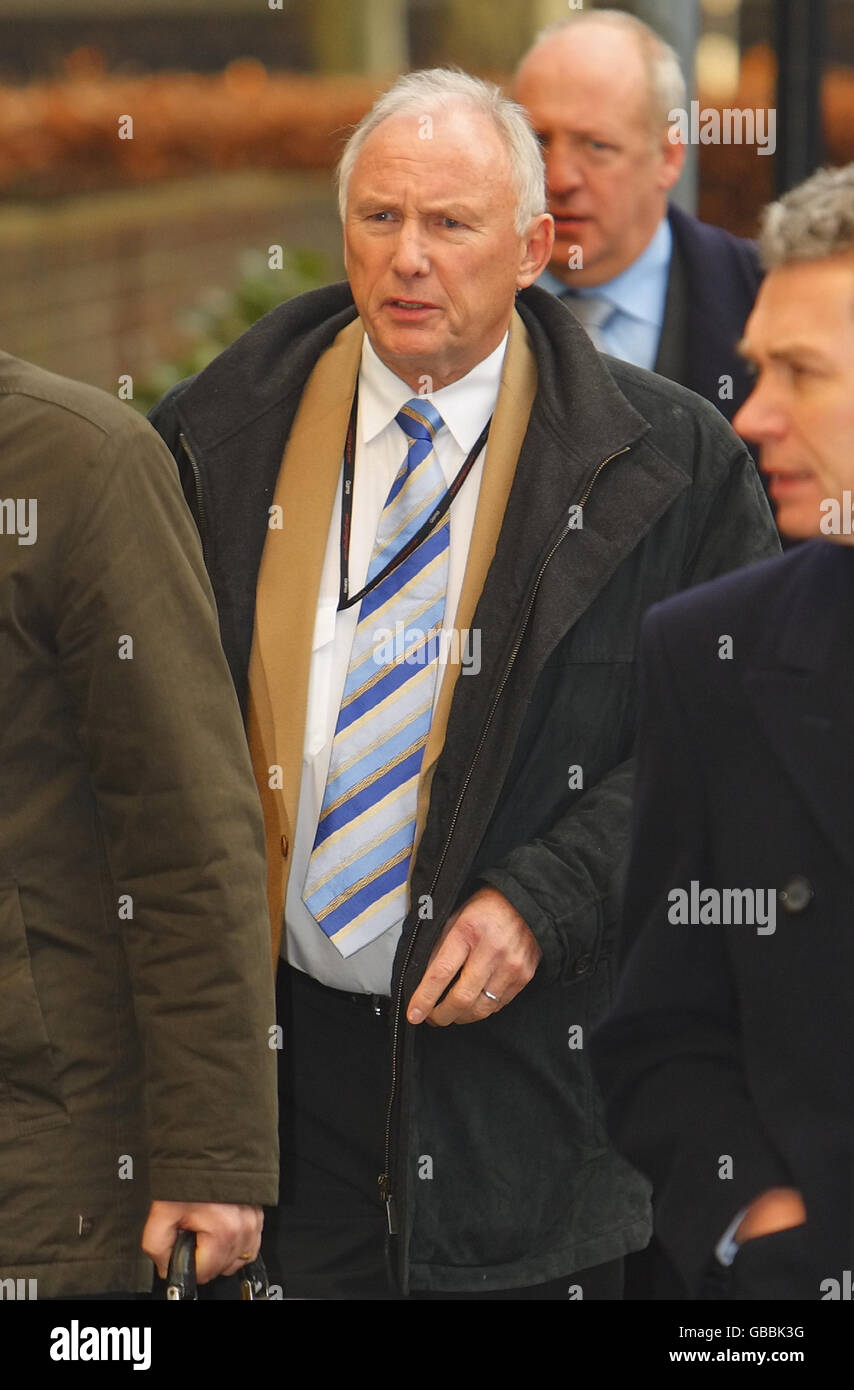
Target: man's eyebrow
x: 807, y: 351
x: 375, y: 200
x: 449, y: 207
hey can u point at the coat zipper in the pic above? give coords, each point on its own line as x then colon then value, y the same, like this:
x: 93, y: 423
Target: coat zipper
x: 384, y: 1178
x: 182, y: 440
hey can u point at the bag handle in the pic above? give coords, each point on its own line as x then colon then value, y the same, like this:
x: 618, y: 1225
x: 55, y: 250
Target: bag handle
x: 181, y: 1284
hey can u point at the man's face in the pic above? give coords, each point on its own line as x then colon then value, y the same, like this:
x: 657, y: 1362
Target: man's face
x: 430, y: 246
x: 607, y: 173
x: 800, y: 337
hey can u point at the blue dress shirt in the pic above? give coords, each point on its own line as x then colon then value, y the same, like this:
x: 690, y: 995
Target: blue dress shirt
x: 638, y: 295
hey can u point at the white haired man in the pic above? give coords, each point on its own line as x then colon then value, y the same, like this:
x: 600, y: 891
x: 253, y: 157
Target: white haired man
x: 653, y: 285
x: 728, y: 1061
x: 446, y: 817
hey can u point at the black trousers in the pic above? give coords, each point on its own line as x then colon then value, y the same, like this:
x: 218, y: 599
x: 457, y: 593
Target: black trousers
x: 326, y: 1238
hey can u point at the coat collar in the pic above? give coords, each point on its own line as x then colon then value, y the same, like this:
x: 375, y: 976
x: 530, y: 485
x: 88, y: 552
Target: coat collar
x: 578, y: 402
x: 247, y: 381
x: 237, y: 414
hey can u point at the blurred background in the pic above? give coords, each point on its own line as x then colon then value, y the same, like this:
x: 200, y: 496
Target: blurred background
x: 165, y: 164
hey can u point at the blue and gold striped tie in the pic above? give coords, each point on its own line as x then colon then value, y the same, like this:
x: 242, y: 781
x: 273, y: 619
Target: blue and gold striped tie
x: 356, y: 882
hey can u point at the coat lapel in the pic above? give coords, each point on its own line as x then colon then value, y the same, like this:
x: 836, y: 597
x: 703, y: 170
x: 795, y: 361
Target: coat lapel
x: 802, y: 692
x: 292, y: 563
x: 288, y: 584
x: 510, y: 422
x: 671, y: 356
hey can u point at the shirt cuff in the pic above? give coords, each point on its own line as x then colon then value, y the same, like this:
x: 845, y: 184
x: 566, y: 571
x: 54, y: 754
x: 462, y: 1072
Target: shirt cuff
x: 728, y: 1247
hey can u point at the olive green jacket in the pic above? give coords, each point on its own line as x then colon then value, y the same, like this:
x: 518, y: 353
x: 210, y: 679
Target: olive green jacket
x: 136, y: 1003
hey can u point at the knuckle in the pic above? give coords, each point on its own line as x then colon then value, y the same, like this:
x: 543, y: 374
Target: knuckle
x: 442, y: 970
x: 470, y: 930
x: 231, y: 1228
x: 466, y: 996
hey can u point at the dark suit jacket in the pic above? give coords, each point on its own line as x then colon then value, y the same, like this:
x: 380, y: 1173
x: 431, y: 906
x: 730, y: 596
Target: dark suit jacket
x: 726, y: 1043
x: 714, y: 279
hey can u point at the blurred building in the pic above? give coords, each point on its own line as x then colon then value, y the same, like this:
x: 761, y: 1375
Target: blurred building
x: 340, y: 35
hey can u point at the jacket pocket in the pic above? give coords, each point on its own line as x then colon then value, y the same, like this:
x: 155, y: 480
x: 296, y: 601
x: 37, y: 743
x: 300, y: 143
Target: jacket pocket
x: 30, y: 1095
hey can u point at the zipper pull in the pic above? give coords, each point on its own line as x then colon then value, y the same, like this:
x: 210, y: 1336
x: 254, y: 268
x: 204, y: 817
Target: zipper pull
x: 386, y: 1194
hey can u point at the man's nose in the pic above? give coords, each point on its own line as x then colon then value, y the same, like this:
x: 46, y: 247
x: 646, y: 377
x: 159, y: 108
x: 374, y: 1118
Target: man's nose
x: 564, y: 173
x: 763, y: 416
x: 410, y: 250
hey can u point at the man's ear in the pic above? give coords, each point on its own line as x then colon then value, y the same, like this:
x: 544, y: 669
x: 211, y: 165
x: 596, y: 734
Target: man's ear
x: 539, y: 240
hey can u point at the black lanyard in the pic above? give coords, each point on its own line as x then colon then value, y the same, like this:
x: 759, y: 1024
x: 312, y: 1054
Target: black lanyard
x: 344, y: 599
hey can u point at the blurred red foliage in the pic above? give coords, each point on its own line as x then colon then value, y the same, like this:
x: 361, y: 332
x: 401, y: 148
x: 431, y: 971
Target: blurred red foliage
x: 62, y: 136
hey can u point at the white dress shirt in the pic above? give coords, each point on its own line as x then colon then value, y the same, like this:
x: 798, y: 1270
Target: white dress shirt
x: 381, y: 447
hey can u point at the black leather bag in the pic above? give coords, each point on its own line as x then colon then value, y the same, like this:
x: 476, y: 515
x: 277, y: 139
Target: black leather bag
x: 249, y: 1283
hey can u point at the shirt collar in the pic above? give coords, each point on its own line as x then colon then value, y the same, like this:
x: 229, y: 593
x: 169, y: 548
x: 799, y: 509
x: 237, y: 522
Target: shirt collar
x: 637, y: 289
x: 465, y: 405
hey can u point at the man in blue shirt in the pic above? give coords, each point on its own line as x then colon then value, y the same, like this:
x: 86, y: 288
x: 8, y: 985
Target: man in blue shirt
x: 652, y: 285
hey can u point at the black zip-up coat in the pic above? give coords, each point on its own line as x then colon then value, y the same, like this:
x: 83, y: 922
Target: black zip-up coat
x: 522, y: 1186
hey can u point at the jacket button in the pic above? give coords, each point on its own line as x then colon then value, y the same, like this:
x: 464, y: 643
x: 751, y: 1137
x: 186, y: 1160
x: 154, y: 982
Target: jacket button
x: 797, y: 894
x: 582, y: 965
x: 285, y: 846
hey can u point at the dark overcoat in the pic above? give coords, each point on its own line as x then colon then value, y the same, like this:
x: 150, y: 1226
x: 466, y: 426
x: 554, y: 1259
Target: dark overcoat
x: 728, y: 1060
x: 525, y: 1187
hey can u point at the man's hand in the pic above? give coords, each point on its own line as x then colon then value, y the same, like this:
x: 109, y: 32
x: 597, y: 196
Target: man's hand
x: 496, y: 951
x: 226, y: 1235
x: 775, y: 1210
